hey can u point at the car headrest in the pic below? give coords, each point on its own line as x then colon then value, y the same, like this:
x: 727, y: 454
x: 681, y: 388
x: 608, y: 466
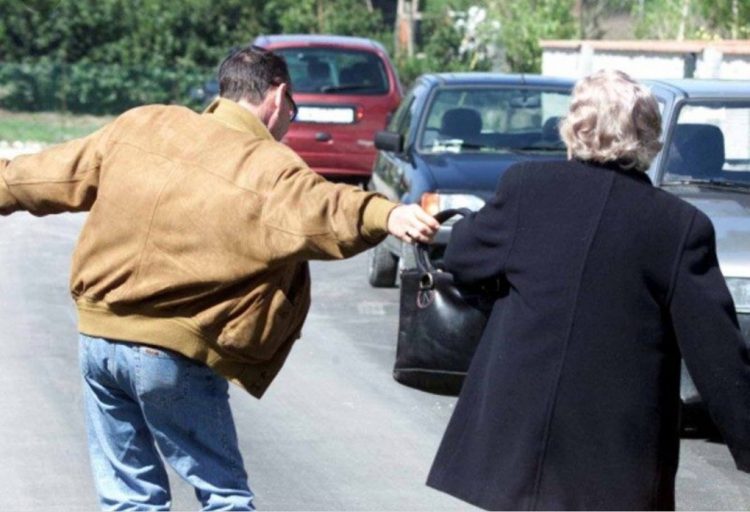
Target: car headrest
x: 317, y: 70
x: 360, y: 73
x: 347, y: 76
x: 696, y: 150
x: 461, y: 123
x: 551, y: 129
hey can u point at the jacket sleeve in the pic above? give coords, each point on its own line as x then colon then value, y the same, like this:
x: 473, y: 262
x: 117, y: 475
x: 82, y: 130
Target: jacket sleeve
x: 308, y: 217
x: 481, y: 243
x: 705, y: 324
x: 63, y: 178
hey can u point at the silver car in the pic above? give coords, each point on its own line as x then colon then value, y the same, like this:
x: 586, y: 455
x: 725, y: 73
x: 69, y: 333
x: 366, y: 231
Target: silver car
x: 706, y: 162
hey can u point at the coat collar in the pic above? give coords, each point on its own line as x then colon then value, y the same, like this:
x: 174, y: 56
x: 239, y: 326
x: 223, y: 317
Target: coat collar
x: 234, y: 116
x: 618, y: 167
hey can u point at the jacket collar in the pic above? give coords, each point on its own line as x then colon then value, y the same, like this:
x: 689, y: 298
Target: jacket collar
x: 619, y: 167
x: 232, y: 115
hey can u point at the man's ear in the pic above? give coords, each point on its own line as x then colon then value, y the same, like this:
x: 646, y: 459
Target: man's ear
x: 278, y: 96
x: 276, y: 120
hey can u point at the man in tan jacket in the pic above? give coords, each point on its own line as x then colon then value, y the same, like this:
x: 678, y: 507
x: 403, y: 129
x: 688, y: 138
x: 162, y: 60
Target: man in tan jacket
x: 191, y: 271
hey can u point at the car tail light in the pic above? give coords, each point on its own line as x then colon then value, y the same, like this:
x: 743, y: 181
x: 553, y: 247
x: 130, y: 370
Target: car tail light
x: 359, y: 113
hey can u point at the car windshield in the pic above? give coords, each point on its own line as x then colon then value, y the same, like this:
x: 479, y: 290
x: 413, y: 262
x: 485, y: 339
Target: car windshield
x: 335, y: 71
x: 710, y: 144
x: 494, y: 119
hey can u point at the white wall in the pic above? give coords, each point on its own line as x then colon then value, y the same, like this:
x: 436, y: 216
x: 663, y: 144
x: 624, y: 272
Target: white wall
x: 646, y: 60
x: 638, y: 65
x: 735, y: 67
x: 563, y: 63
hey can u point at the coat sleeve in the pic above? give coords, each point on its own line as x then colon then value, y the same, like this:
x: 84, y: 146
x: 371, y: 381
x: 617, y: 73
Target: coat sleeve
x: 705, y: 324
x: 63, y: 178
x: 480, y: 244
x: 310, y: 218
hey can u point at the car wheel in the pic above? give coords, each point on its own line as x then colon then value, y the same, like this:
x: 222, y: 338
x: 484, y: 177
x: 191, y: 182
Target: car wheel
x: 382, y: 267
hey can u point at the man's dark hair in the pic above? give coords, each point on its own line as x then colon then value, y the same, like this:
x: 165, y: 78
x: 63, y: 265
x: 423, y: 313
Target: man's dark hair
x: 249, y: 72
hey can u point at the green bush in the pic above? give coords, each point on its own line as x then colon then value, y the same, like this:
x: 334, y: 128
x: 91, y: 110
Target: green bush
x: 104, y: 56
x: 85, y: 87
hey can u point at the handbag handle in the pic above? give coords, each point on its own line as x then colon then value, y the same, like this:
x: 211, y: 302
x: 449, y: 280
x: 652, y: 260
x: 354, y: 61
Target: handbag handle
x: 421, y: 251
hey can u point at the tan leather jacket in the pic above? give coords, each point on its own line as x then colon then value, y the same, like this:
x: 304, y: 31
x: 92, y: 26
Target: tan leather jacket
x: 198, y: 233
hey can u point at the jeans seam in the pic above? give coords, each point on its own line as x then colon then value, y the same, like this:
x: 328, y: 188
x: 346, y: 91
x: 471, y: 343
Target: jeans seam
x: 217, y: 412
x: 138, y: 372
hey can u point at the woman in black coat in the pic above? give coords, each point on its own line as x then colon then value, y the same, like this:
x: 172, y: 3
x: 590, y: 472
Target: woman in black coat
x: 572, y: 399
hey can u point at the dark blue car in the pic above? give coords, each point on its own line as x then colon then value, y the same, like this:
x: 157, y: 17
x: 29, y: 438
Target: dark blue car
x: 451, y: 139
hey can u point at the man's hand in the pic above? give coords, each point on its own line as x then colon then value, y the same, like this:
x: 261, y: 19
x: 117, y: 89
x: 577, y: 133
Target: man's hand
x: 411, y: 223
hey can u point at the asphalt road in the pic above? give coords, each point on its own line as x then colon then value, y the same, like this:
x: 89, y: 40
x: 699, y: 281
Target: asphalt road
x: 334, y: 432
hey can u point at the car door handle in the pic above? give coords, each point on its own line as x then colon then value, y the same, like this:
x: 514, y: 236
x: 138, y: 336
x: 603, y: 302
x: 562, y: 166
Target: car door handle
x: 323, y: 136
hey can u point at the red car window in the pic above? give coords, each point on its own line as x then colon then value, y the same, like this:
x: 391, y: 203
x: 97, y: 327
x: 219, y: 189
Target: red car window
x: 335, y: 71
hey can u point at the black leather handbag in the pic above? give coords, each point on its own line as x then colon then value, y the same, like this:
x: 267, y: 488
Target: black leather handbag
x: 440, y: 324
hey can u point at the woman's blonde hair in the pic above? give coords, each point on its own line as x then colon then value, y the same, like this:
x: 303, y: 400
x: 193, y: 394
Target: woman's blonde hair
x: 612, y: 118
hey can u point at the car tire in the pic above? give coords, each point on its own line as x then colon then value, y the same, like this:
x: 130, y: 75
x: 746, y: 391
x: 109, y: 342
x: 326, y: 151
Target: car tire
x: 382, y: 268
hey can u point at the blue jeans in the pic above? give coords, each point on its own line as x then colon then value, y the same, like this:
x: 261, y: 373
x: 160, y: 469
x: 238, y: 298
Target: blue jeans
x: 141, y: 399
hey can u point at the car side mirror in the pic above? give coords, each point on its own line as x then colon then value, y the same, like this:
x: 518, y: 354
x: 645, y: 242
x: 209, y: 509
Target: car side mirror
x: 389, y: 141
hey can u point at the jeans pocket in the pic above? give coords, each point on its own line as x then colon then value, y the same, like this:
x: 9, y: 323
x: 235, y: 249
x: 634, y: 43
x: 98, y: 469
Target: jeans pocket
x: 161, y: 376
x: 166, y: 377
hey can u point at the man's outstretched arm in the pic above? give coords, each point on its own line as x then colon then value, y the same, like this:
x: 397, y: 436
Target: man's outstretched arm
x: 307, y: 217
x: 63, y: 178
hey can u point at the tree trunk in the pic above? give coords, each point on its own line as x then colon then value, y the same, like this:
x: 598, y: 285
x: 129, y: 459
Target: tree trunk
x: 683, y: 20
x: 321, y: 17
x: 578, y: 15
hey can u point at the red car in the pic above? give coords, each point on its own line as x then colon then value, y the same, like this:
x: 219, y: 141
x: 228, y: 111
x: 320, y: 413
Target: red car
x: 346, y: 88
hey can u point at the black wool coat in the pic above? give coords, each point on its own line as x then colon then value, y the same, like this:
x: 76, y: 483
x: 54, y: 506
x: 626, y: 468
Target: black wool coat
x: 572, y: 398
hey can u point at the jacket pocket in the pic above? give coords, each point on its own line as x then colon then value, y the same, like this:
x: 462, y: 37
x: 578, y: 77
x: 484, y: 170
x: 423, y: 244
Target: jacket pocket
x: 256, y: 333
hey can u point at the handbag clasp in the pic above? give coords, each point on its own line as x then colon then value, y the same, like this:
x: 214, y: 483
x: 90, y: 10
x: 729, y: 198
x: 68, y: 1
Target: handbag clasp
x: 426, y: 282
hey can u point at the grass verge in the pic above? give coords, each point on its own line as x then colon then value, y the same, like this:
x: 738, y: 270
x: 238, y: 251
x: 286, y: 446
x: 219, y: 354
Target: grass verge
x: 47, y: 127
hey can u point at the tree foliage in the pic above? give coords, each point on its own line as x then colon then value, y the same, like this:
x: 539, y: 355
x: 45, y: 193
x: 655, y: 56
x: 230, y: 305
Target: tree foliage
x: 523, y: 24
x: 692, y: 19
x: 344, y: 17
x: 104, y: 56
x: 126, y: 31
x: 726, y: 18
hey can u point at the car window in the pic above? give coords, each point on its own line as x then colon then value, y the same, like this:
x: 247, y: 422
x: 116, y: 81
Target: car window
x: 335, y: 71
x: 494, y: 119
x: 711, y: 141
x: 401, y: 119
